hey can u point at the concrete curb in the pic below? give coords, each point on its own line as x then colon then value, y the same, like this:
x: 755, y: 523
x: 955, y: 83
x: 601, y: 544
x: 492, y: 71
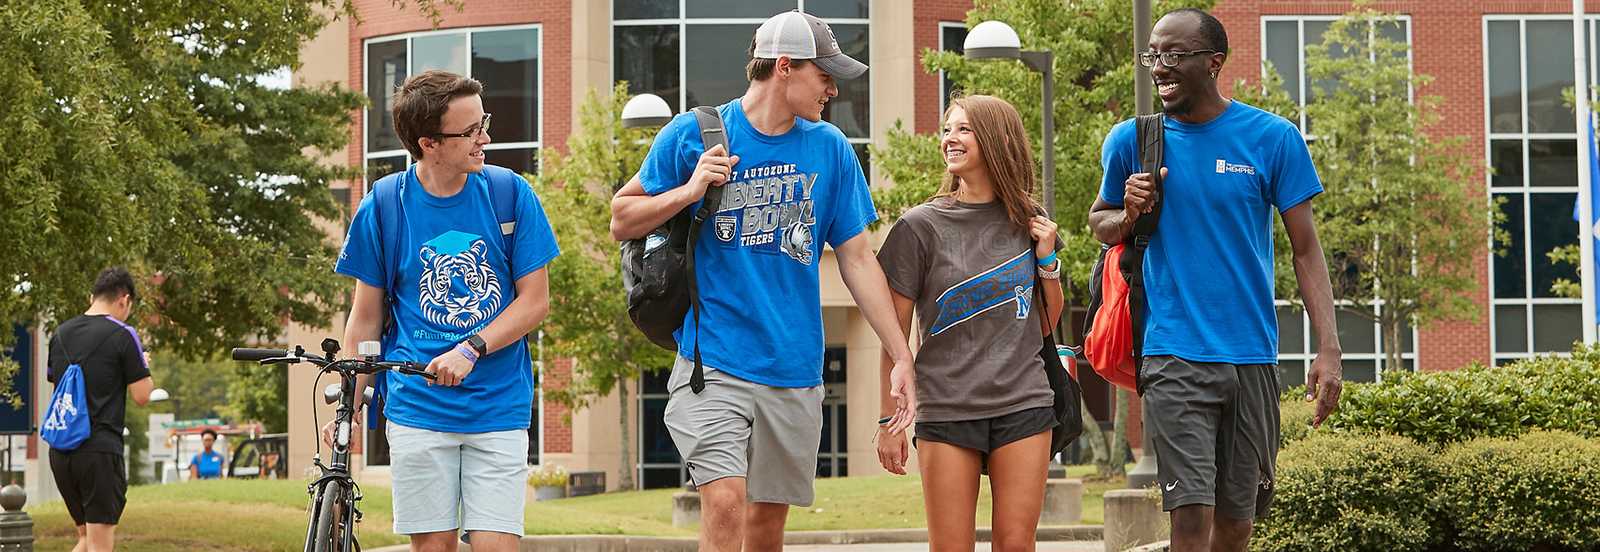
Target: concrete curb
x: 628, y: 543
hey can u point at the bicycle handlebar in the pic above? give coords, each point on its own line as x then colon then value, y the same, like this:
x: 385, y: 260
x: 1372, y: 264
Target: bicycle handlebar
x: 242, y: 353
x: 353, y: 365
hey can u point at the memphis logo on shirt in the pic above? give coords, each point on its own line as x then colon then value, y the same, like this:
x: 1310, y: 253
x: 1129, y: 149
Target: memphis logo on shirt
x: 1226, y: 167
x: 769, y: 208
x: 458, y: 287
x: 1011, y: 281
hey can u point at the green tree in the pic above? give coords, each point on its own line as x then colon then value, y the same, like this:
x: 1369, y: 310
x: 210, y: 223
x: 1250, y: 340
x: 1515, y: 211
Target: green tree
x: 1399, y: 228
x: 258, y: 393
x: 1094, y: 70
x: 589, y: 322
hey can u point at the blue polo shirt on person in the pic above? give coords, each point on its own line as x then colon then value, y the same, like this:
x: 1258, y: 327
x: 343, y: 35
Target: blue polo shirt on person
x: 209, y: 465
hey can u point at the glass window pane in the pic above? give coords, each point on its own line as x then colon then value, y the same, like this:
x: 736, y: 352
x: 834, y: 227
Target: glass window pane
x: 829, y: 10
x: 644, y: 9
x: 507, y: 63
x: 851, y: 110
x: 1291, y: 373
x: 1283, y: 50
x: 722, y: 9
x: 647, y: 57
x: 654, y: 382
x: 952, y: 39
x: 1291, y: 332
x: 1555, y: 327
x: 1548, y: 72
x: 1551, y: 227
x: 1355, y: 333
x: 379, y: 167
x: 1510, y: 266
x: 1510, y: 329
x: 1505, y: 76
x: 1553, y: 163
x: 446, y: 52
x: 1364, y: 371
x: 1395, y: 31
x: 522, y: 160
x: 662, y: 478
x: 655, y: 443
x: 1314, y: 32
x: 1506, y: 158
x: 386, y: 69
x: 717, y: 73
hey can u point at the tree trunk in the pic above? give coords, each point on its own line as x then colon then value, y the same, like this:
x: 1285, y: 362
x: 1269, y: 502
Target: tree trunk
x: 1392, y: 346
x: 1097, y: 441
x: 1119, y: 432
x: 624, y: 475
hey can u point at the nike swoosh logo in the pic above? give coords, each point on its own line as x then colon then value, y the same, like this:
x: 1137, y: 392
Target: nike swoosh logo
x: 1172, y: 485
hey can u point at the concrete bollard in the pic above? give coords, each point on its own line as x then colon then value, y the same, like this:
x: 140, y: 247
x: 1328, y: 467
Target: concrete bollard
x: 1063, y: 502
x: 16, y: 528
x: 685, y: 508
x: 1134, y: 517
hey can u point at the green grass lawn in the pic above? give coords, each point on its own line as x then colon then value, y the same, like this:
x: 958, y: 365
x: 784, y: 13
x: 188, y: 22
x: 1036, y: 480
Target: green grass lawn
x: 250, y: 515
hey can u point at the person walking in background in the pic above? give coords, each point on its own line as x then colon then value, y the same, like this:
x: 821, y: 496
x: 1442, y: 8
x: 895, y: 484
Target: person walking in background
x: 966, y: 261
x: 92, y: 477
x: 207, y: 464
x: 1210, y: 379
x: 792, y: 183
x: 462, y: 296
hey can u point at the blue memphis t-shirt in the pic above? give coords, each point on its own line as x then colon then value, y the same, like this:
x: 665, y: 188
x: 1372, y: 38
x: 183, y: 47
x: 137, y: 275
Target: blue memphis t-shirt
x: 208, y: 465
x: 756, y: 261
x: 1208, y: 272
x: 453, y: 280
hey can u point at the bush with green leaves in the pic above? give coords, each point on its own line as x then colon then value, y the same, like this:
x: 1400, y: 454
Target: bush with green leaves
x: 1517, y: 493
x: 1560, y: 393
x: 1350, y: 492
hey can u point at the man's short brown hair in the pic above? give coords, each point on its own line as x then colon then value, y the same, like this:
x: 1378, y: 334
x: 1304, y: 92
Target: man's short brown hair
x: 760, y: 69
x: 420, y: 104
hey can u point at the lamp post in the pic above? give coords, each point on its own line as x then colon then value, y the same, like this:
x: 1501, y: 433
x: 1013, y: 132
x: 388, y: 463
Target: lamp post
x: 1143, y: 473
x: 994, y: 39
x: 646, y: 110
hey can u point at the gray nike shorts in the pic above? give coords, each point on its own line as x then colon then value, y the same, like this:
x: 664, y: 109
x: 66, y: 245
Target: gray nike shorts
x: 735, y: 428
x: 1215, y: 430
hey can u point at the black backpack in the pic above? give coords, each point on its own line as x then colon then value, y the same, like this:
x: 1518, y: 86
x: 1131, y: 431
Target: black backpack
x: 658, y: 268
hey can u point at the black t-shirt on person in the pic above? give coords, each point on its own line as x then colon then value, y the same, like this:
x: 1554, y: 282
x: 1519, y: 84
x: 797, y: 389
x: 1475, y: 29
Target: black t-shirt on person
x: 111, y: 357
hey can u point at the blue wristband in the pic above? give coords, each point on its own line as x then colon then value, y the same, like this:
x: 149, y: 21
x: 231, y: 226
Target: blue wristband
x: 472, y: 356
x: 1046, y: 261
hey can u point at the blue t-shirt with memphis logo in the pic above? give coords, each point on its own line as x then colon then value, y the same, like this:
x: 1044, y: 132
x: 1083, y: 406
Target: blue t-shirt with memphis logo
x: 1208, y: 272
x: 757, y: 259
x: 453, y: 280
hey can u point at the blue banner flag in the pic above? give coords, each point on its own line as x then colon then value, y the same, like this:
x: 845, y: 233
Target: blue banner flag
x: 1594, y: 200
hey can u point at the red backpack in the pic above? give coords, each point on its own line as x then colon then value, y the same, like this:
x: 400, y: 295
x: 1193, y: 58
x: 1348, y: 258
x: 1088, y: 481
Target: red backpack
x: 1116, y: 297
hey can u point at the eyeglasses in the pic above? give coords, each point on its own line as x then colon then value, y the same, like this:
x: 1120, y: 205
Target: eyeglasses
x: 482, y: 128
x: 1169, y: 59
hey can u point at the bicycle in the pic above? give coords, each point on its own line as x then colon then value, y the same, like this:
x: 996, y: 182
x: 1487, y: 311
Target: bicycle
x: 334, y: 493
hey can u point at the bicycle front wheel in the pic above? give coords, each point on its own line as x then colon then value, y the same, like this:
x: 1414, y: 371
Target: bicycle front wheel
x: 327, y: 530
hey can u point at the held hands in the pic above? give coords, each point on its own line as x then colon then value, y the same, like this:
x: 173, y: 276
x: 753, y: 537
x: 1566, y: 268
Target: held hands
x: 1323, y: 385
x: 714, y: 169
x: 1043, y: 230
x: 903, y: 388
x: 893, y: 451
x: 1139, y: 194
x: 450, y: 368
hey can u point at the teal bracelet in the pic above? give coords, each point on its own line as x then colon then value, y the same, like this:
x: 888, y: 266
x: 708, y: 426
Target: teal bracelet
x: 1046, y: 261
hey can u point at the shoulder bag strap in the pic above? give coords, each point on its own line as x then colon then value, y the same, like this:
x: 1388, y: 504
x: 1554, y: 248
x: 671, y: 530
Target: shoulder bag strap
x: 711, y: 134
x: 1151, y: 146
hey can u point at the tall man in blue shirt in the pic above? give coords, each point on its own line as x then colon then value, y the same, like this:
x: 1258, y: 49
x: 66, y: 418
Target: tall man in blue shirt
x: 1210, y: 377
x: 790, y: 184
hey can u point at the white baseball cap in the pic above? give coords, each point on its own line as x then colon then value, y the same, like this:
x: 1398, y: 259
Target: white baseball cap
x: 801, y: 36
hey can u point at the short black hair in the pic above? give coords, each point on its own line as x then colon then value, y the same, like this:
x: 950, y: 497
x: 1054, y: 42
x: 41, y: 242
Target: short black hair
x: 112, y: 283
x: 208, y: 431
x: 1211, y: 30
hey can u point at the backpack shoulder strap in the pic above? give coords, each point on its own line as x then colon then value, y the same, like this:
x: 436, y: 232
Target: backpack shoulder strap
x: 1151, y: 145
x: 386, y: 199
x: 503, y: 183
x: 712, y: 133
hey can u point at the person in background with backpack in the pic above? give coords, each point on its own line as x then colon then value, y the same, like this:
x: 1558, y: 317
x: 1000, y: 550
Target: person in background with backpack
x: 967, y: 260
x: 92, y: 476
x: 1209, y: 378
x: 463, y: 289
x: 207, y: 464
x: 790, y: 184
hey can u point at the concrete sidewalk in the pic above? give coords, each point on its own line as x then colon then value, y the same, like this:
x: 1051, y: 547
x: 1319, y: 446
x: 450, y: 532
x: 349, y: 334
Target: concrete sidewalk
x: 1064, y: 538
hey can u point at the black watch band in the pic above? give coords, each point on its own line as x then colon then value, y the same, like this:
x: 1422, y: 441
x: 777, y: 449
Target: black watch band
x: 477, y: 344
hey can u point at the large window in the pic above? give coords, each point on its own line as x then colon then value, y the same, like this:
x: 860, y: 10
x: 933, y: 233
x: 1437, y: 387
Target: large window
x: 505, y: 59
x: 1533, y: 149
x: 693, y: 52
x: 1284, y: 40
x: 952, y: 38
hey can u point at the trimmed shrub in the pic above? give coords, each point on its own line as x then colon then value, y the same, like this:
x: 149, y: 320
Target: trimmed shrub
x: 1295, y: 417
x: 1351, y: 492
x: 1478, y: 401
x: 1513, y: 494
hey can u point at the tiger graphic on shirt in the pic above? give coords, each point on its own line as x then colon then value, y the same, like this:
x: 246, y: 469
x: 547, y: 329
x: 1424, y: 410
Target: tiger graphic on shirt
x: 459, y: 290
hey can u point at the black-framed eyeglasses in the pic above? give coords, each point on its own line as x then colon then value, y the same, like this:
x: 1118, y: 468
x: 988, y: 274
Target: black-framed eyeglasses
x: 1169, y: 59
x: 483, y: 127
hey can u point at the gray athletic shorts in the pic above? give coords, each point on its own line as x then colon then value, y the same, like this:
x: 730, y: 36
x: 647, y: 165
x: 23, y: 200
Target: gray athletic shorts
x: 735, y: 428
x: 1215, y: 430
x: 445, y: 481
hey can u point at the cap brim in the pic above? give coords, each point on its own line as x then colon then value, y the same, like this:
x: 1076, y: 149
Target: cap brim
x: 841, y: 66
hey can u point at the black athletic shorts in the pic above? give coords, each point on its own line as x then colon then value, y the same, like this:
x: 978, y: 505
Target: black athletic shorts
x: 989, y: 434
x: 93, y: 484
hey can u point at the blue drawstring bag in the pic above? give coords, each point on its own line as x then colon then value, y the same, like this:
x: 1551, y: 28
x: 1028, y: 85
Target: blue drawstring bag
x: 66, y: 422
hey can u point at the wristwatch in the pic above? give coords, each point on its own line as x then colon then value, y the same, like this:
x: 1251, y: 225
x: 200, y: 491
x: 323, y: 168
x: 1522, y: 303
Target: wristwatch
x: 1051, y: 274
x: 477, y: 344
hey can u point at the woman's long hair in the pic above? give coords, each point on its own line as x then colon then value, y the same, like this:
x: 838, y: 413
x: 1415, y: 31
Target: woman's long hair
x: 1007, y: 156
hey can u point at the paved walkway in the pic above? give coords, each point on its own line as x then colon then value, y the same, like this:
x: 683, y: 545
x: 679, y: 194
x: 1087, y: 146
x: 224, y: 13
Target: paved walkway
x: 1072, y: 538
x: 1043, y: 546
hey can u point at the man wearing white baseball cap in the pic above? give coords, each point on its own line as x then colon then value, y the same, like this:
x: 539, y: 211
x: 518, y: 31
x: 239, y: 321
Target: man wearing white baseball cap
x: 749, y: 426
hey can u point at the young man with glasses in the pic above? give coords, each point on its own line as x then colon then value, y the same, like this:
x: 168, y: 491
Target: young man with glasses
x: 462, y: 293
x: 1209, y: 378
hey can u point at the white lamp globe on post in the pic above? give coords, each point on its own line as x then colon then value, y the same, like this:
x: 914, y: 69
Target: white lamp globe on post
x: 646, y: 110
x: 997, y: 40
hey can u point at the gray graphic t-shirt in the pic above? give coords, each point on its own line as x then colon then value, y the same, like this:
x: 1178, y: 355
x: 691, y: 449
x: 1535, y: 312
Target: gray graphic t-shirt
x: 971, y: 275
